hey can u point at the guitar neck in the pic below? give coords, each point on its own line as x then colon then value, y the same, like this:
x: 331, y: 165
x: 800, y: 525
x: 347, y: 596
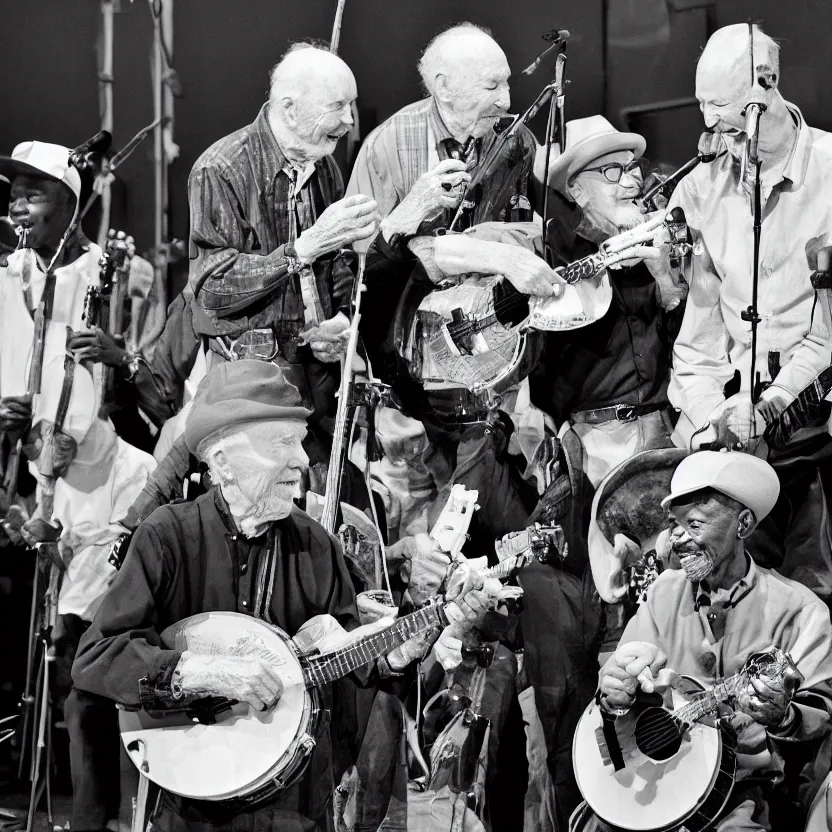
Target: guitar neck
x: 328, y: 667
x: 800, y: 412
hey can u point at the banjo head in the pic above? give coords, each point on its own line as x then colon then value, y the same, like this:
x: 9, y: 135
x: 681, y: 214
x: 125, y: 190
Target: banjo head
x: 233, y: 756
x: 648, y: 794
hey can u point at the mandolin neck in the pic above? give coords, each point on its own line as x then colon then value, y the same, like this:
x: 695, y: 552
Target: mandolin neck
x: 708, y: 701
x: 328, y: 667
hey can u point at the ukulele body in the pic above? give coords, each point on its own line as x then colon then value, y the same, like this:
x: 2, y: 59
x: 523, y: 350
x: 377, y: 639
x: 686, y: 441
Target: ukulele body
x: 635, y: 783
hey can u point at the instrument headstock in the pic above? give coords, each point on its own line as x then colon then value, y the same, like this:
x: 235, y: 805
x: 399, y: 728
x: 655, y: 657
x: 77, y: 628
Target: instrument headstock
x: 118, y: 251
x: 451, y: 529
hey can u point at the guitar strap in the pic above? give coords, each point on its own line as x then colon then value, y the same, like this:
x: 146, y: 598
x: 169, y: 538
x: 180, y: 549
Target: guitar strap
x: 610, y: 739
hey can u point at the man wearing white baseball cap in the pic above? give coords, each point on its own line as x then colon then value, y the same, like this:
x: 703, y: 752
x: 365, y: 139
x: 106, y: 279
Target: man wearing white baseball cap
x: 100, y: 473
x: 706, y: 619
x: 43, y: 204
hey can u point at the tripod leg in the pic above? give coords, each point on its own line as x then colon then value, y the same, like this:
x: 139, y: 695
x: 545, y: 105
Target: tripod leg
x: 28, y: 701
x: 50, y: 758
x: 38, y: 785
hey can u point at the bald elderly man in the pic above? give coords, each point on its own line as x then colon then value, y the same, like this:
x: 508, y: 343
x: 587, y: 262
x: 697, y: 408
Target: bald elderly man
x: 416, y: 165
x: 268, y: 225
x: 794, y: 338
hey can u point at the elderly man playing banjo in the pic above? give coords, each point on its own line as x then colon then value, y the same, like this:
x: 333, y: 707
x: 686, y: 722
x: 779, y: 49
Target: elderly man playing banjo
x: 706, y: 620
x: 241, y: 548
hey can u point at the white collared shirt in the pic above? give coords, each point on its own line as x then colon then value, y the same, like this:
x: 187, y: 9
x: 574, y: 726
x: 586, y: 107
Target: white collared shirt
x: 714, y: 340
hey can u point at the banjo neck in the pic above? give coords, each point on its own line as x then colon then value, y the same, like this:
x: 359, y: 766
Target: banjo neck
x: 321, y: 669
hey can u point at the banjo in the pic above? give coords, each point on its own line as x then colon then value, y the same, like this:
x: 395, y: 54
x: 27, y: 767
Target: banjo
x: 669, y: 764
x: 189, y: 750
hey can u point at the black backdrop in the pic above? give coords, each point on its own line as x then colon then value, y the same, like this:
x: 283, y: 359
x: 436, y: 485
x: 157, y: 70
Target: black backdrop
x: 224, y: 49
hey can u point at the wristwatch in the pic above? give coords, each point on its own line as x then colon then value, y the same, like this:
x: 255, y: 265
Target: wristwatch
x: 601, y: 702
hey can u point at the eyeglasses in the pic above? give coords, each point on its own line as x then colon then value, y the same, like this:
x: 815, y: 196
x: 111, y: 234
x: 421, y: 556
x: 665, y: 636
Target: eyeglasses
x: 615, y: 170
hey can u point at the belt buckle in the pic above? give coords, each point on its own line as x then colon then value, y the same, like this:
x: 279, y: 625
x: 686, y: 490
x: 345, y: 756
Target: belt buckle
x: 625, y: 412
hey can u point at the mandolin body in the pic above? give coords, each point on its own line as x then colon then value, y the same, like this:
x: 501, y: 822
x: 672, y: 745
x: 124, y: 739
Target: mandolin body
x: 634, y: 783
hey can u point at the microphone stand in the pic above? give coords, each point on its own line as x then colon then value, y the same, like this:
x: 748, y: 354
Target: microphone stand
x: 751, y: 314
x: 556, y: 121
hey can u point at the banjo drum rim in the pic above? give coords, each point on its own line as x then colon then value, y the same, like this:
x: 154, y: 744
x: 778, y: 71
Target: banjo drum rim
x: 294, y: 758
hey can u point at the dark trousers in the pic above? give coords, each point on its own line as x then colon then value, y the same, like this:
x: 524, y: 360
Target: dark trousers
x: 94, y: 743
x: 476, y: 457
x: 561, y: 624
x: 796, y: 537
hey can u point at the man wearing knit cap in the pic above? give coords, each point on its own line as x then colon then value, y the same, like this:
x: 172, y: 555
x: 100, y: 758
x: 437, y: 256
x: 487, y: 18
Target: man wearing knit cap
x: 706, y: 619
x: 246, y: 425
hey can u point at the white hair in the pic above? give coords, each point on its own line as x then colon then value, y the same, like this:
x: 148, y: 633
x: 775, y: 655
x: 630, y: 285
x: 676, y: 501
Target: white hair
x: 283, y: 76
x: 734, y: 40
x: 435, y: 57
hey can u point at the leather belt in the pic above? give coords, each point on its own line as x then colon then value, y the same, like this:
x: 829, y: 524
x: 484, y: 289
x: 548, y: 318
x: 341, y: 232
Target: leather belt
x: 616, y: 412
x: 261, y: 344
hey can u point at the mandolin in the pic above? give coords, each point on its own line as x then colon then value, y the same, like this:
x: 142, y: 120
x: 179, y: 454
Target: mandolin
x: 668, y: 762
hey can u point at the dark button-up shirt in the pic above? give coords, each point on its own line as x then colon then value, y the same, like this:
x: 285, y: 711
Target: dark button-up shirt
x: 244, y: 212
x: 186, y: 559
x: 624, y: 358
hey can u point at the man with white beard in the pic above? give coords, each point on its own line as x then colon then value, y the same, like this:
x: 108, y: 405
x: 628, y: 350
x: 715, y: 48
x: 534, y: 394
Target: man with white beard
x: 242, y: 547
x: 609, y: 380
x: 604, y: 387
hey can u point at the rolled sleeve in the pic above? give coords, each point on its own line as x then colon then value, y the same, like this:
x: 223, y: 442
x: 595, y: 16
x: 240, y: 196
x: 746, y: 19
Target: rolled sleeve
x: 225, y: 279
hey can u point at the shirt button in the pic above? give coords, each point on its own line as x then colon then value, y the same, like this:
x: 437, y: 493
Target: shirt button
x: 244, y: 569
x: 245, y: 603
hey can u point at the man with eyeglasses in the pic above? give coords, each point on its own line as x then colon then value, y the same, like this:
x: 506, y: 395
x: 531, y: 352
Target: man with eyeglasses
x: 608, y: 381
x: 604, y: 388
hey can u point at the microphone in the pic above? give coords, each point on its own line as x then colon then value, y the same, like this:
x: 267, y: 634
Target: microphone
x: 755, y: 107
x: 555, y: 38
x: 86, y: 155
x: 708, y: 146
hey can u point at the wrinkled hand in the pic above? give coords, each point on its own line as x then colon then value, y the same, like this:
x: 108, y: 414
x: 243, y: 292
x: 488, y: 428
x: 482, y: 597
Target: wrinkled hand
x: 766, y: 699
x: 473, y: 595
x: 432, y: 192
x: 15, y: 413
x: 634, y: 665
x: 98, y: 347
x: 730, y: 423
x: 772, y: 405
x: 36, y: 530
x: 424, y: 566
x: 250, y: 680
x: 13, y: 524
x: 329, y: 340
x: 414, y: 649
x: 530, y: 274
x: 448, y: 649
x: 341, y: 224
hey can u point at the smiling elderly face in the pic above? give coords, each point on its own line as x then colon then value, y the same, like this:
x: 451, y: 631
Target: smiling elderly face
x: 315, y: 91
x: 724, y: 77
x: 467, y: 72
x: 259, y: 467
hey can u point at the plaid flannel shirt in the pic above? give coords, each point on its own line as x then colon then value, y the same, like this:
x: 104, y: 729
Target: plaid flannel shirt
x: 241, y: 201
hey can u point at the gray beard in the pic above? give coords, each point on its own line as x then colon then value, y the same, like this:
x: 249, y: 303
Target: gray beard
x: 697, y: 566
